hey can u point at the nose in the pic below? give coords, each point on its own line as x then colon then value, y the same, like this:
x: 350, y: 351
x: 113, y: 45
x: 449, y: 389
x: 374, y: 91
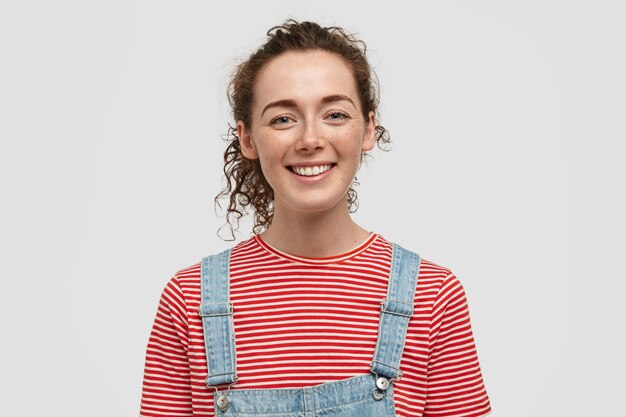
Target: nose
x: 310, y: 138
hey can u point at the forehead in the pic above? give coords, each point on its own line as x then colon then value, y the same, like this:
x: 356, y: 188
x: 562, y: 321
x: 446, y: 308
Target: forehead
x: 304, y: 76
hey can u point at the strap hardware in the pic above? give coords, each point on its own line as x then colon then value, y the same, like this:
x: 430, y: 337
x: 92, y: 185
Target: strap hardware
x: 216, y: 309
x: 396, y: 307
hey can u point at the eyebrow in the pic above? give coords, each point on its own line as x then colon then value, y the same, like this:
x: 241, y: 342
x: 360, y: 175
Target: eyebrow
x: 292, y: 103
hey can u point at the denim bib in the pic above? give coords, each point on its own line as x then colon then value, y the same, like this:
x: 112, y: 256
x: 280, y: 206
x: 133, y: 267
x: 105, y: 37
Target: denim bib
x: 359, y: 396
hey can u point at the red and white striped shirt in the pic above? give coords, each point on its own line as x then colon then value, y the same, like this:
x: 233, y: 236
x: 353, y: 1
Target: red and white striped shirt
x: 301, y: 322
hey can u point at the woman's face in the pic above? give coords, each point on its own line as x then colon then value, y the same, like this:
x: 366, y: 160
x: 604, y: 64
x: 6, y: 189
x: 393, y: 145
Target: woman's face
x: 307, y: 130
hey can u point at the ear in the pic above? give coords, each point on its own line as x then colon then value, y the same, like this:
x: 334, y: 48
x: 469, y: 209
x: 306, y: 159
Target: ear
x: 245, y: 141
x: 370, y: 133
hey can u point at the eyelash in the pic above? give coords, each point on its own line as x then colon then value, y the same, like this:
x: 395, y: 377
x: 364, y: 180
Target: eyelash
x: 343, y: 116
x: 274, y: 120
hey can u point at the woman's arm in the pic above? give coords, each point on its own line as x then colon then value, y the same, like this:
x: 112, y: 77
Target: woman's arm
x: 166, y: 383
x: 454, y: 380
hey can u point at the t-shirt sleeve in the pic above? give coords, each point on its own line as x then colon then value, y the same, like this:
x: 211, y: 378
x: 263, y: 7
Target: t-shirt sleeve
x: 455, y: 385
x: 166, y: 382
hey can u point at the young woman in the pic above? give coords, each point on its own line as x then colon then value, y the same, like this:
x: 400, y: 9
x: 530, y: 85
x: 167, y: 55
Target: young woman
x: 312, y: 315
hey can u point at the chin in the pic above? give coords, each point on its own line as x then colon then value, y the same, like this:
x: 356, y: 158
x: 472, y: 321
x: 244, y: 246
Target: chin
x: 311, y: 206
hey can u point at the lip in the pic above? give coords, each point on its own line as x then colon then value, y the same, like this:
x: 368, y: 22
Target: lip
x: 311, y: 164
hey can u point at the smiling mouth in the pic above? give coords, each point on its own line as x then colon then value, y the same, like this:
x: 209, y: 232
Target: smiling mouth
x: 310, y: 171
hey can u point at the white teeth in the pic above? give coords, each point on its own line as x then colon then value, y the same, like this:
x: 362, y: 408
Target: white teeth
x: 311, y: 171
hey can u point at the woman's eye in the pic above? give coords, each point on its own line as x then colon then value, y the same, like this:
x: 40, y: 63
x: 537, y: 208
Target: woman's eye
x: 281, y: 120
x: 337, y: 116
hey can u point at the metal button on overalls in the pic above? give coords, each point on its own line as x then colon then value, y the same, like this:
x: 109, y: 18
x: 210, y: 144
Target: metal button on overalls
x: 378, y: 394
x: 223, y: 402
x: 382, y: 383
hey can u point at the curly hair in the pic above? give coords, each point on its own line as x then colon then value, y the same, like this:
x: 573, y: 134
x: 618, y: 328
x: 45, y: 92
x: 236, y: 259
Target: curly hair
x: 245, y: 184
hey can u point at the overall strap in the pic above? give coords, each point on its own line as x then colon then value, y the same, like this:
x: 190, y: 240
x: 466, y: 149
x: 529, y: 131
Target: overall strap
x: 396, y: 310
x: 216, y: 311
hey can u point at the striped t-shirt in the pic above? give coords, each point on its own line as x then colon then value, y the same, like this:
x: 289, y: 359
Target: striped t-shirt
x: 301, y: 322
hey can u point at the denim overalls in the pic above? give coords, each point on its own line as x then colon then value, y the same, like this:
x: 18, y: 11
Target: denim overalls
x: 364, y: 395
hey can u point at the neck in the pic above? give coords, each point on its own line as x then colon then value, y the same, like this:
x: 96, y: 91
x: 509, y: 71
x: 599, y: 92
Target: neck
x: 314, y: 235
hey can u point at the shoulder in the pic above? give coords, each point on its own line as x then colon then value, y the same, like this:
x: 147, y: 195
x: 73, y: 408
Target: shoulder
x: 186, y: 281
x: 188, y: 278
x: 442, y: 288
x: 430, y: 273
x: 436, y: 275
x: 435, y: 281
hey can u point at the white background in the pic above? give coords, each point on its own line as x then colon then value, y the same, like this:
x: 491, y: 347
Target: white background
x: 507, y: 121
